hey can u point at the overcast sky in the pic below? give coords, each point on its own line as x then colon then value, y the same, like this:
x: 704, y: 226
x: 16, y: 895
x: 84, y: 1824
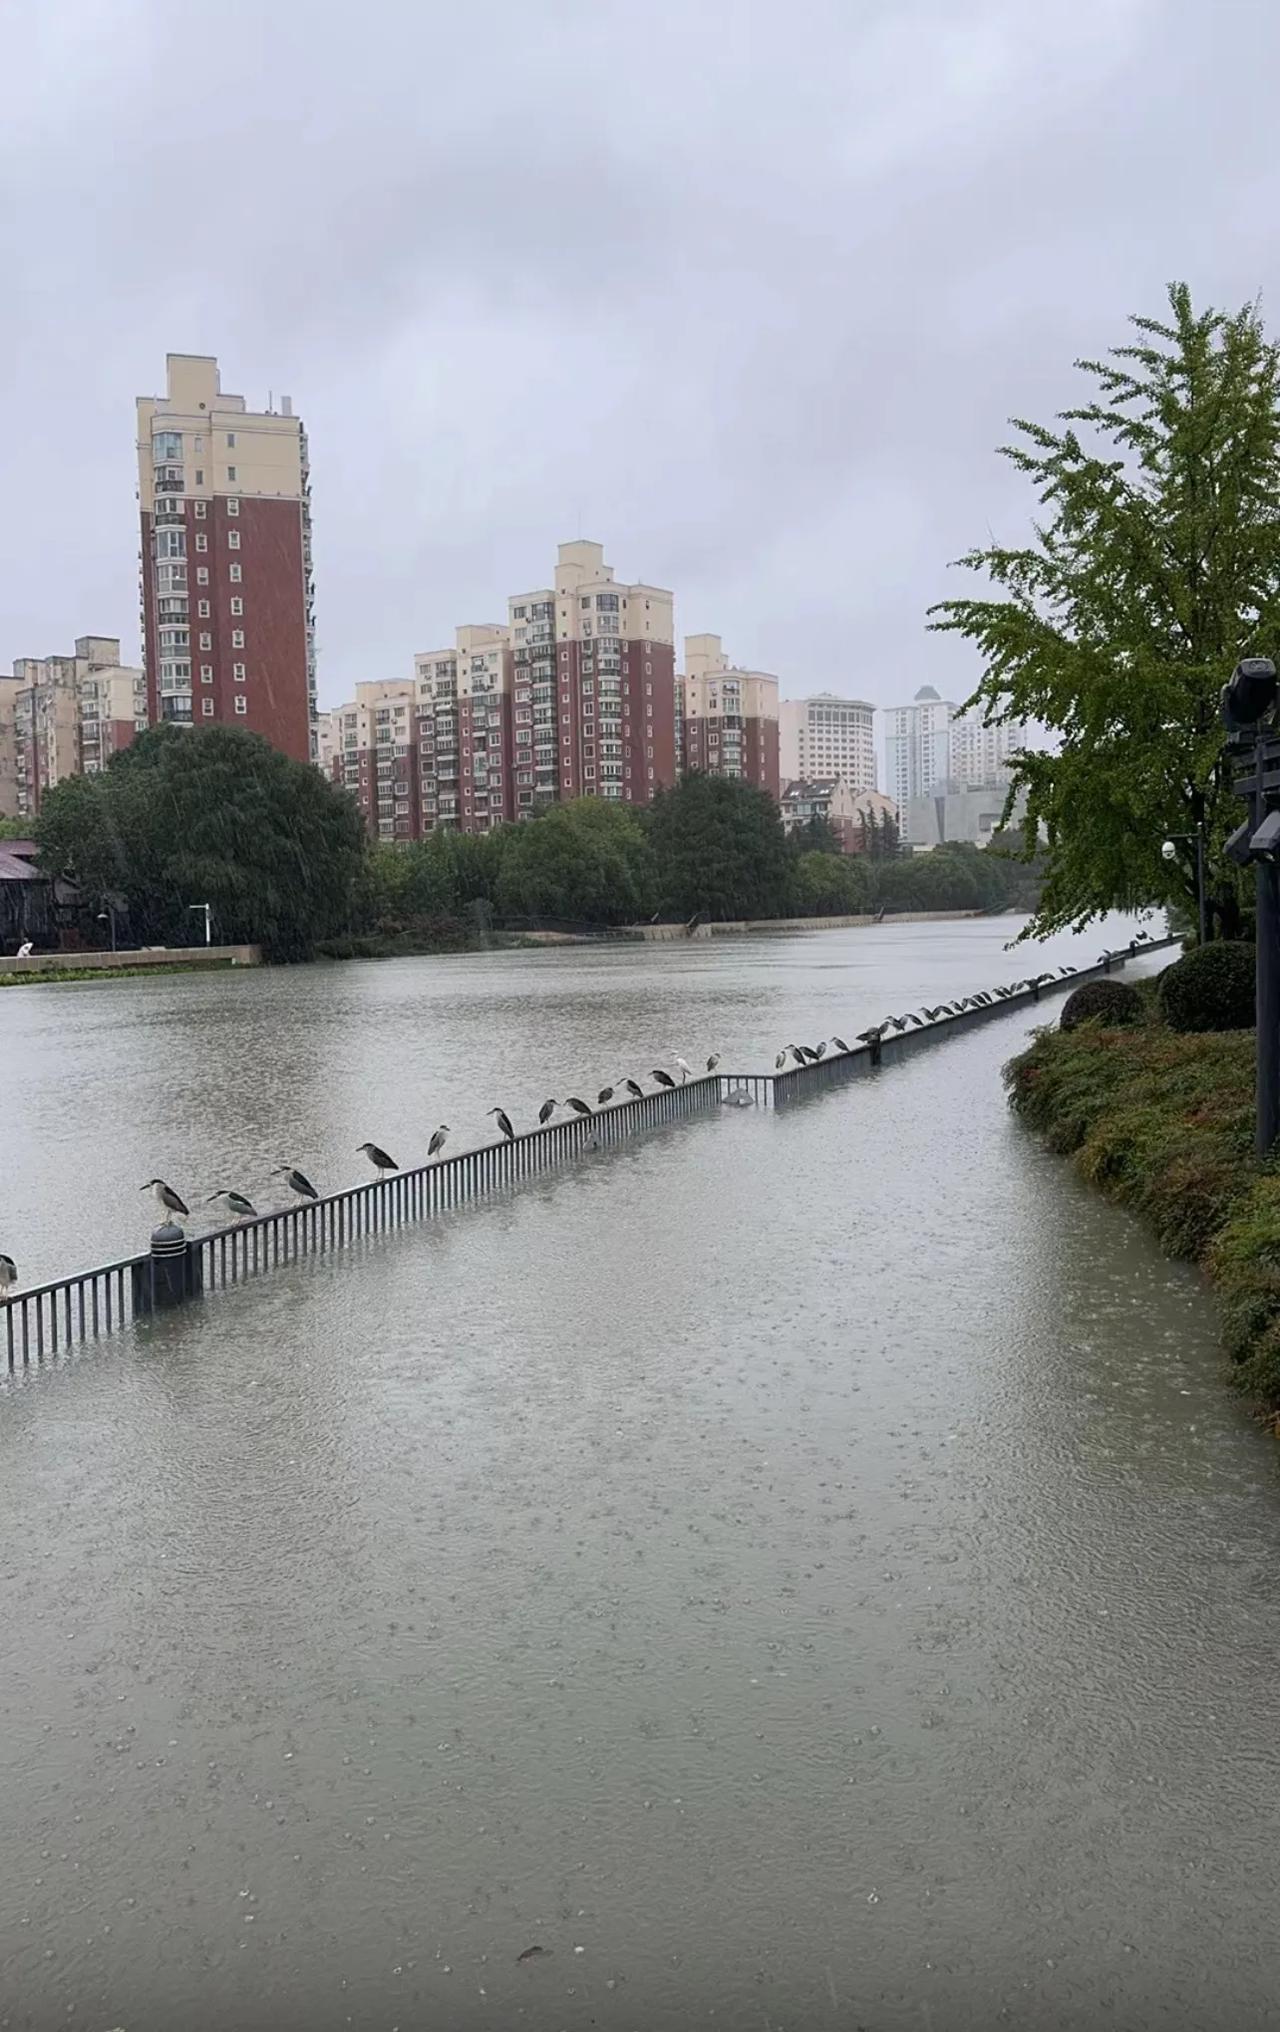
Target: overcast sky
x: 743, y: 289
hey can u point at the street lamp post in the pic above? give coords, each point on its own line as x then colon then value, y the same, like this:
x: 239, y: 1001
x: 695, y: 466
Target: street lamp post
x: 108, y: 916
x: 208, y: 938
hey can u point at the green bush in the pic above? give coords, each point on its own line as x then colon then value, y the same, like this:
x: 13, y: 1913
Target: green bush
x: 1210, y: 988
x: 1108, y: 1002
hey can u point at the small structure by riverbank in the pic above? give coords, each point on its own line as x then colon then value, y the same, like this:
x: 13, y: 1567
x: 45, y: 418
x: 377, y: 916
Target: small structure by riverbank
x: 1162, y: 1122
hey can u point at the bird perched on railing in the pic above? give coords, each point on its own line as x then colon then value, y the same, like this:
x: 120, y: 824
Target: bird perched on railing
x: 379, y: 1159
x: 297, y: 1181
x: 713, y: 1061
x: 664, y: 1079
x: 504, y: 1123
x: 634, y: 1088
x: 604, y: 1096
x: 873, y: 1035
x: 683, y: 1068
x: 545, y: 1112
x: 780, y: 1061
x: 170, y: 1201
x: 932, y: 1015
x: 243, y: 1209
x: 579, y: 1107
x: 840, y: 1044
x: 8, y: 1273
x: 436, y: 1145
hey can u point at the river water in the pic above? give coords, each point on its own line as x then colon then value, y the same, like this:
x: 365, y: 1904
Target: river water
x: 794, y: 1571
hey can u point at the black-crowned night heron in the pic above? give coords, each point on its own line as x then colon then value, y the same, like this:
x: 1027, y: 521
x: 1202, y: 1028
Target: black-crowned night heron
x: 664, y: 1079
x: 545, y: 1112
x: 579, y: 1107
x: 8, y: 1273
x: 713, y: 1061
x: 167, y: 1198
x: 378, y: 1158
x: 297, y: 1181
x: 243, y: 1209
x: 604, y: 1096
x: 504, y: 1123
x: 634, y: 1088
x: 436, y: 1145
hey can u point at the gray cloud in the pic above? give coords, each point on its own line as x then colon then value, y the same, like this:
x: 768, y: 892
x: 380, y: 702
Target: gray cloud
x: 746, y: 291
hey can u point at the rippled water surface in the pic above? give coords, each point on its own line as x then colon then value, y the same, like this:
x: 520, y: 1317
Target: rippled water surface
x: 797, y: 1570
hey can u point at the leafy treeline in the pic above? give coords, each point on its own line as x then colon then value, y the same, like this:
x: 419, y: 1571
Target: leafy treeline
x: 194, y: 816
x: 709, y: 848
x: 1153, y: 566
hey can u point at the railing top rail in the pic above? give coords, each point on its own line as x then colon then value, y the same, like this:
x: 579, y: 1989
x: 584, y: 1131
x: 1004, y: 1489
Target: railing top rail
x: 56, y: 1284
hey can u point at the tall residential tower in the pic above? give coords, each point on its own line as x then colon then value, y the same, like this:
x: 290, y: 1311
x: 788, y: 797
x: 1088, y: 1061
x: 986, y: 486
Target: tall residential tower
x: 826, y: 736
x: 225, y: 499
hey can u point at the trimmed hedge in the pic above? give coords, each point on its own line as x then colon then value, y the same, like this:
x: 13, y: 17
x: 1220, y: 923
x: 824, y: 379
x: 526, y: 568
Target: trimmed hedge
x: 1163, y: 1123
x: 1109, y: 1002
x: 1210, y: 988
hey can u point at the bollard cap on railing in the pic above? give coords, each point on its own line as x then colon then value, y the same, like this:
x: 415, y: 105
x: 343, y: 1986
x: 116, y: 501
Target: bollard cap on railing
x: 168, y: 1240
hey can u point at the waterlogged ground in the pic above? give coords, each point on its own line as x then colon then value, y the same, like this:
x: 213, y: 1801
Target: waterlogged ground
x: 799, y: 1570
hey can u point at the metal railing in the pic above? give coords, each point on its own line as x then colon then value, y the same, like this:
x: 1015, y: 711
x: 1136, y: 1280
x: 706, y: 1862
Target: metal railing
x: 50, y: 1318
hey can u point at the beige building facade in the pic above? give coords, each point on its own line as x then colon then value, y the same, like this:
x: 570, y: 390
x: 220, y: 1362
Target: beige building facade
x: 726, y: 718
x: 224, y: 495
x: 65, y: 716
x: 827, y: 736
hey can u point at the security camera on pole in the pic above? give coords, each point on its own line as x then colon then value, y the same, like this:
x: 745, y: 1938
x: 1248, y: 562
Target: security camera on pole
x: 1248, y: 709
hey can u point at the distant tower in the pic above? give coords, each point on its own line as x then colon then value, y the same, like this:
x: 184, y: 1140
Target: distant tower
x: 225, y: 500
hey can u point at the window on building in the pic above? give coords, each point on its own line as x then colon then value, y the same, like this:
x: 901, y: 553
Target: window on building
x: 237, y: 672
x: 231, y: 439
x: 235, y: 574
x: 206, y: 673
x: 233, y: 507
x: 199, y: 507
x: 233, y: 539
x: 202, y: 574
x: 202, y: 541
x: 231, y: 475
x: 237, y: 638
x: 242, y: 704
x: 172, y: 543
x: 206, y: 707
x: 206, y: 638
x: 237, y: 604
x: 166, y: 445
x: 202, y: 608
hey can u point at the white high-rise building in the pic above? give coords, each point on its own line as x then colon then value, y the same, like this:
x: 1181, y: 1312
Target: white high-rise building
x: 980, y: 754
x: 918, y: 747
x: 826, y: 736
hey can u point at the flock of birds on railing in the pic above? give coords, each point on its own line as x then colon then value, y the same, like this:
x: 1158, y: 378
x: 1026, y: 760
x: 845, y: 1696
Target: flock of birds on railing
x: 242, y: 1207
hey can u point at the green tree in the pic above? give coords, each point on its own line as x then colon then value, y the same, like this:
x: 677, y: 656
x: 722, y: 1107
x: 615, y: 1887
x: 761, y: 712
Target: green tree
x: 720, y: 849
x: 816, y: 836
x: 828, y: 885
x: 215, y: 816
x: 15, y: 828
x: 1154, y: 565
x: 586, y: 859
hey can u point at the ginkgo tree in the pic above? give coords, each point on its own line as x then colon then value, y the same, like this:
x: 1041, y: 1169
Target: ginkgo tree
x: 1153, y: 565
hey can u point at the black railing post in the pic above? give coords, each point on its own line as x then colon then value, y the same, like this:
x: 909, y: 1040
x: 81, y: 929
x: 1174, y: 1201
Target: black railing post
x: 170, y: 1275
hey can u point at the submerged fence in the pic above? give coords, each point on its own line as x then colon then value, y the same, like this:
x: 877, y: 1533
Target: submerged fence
x: 50, y: 1318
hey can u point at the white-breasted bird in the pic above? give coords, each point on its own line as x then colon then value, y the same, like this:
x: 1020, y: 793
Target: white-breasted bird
x: 297, y: 1181
x: 243, y: 1209
x: 166, y: 1198
x: 684, y: 1068
x: 436, y: 1145
x: 379, y: 1159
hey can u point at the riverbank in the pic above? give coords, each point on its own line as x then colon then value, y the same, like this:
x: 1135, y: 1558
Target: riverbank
x: 1162, y: 1123
x: 40, y: 968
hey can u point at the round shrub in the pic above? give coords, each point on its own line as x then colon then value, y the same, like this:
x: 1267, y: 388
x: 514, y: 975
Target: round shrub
x: 1210, y: 988
x: 1109, y: 1002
